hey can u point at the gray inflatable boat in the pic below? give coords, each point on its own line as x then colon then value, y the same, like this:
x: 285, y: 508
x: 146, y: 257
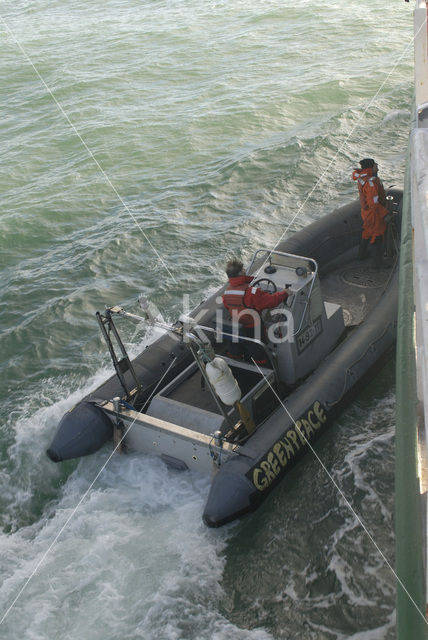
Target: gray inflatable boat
x: 245, y: 409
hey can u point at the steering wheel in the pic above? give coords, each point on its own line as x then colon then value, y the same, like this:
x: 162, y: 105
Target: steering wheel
x: 270, y: 282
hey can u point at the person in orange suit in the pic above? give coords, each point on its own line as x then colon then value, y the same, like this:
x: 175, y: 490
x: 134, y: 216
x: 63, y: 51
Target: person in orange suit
x: 373, y: 208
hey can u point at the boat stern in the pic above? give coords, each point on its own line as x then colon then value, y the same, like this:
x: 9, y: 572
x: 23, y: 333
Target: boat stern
x: 83, y: 430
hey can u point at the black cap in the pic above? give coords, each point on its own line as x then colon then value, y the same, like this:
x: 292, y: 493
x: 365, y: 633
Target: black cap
x: 367, y: 162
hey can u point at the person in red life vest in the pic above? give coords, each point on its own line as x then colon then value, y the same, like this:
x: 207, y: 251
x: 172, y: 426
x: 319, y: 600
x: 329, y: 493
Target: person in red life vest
x: 245, y: 302
x: 373, y: 208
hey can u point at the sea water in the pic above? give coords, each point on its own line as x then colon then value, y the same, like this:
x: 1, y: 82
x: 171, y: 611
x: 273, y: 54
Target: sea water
x: 144, y: 143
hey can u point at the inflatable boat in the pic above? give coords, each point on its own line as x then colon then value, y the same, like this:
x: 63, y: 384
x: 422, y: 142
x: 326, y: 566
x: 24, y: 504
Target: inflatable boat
x: 244, y: 409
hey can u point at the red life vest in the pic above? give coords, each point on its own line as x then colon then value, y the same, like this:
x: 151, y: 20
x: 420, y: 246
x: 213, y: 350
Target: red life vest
x: 233, y: 300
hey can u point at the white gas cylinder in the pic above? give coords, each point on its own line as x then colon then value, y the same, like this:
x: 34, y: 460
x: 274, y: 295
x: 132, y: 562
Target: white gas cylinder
x: 223, y: 381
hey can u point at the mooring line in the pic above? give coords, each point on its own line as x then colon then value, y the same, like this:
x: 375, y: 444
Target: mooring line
x: 172, y: 276
x: 357, y: 124
x: 73, y: 513
x: 341, y: 493
x: 109, y: 182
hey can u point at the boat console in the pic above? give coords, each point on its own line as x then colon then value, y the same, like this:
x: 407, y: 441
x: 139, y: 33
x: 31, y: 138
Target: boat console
x: 301, y: 332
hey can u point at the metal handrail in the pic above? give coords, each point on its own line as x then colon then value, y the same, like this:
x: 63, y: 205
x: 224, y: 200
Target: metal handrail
x: 291, y: 255
x: 271, y: 252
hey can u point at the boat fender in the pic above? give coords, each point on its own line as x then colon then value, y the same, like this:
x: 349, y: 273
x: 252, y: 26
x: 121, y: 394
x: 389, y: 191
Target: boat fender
x: 222, y: 379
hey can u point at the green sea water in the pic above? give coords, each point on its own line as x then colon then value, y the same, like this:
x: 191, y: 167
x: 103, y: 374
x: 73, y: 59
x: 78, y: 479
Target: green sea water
x: 142, y: 145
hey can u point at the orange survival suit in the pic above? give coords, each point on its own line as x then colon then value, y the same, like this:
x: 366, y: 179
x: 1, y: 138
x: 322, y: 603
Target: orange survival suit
x: 373, y: 201
x: 239, y: 296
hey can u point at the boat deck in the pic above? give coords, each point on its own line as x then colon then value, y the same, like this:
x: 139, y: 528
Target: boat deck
x: 356, y: 288
x: 192, y: 392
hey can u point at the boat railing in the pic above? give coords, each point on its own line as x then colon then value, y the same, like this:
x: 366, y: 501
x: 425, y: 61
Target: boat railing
x: 294, y: 261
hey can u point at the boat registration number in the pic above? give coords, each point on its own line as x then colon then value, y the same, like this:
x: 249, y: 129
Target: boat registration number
x: 309, y: 334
